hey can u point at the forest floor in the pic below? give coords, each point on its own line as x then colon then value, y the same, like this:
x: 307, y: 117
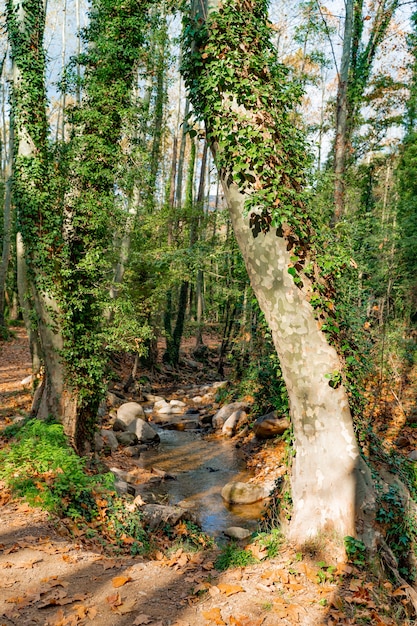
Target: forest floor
x: 51, y: 577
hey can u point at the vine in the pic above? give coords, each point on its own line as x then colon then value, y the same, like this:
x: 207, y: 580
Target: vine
x: 248, y: 103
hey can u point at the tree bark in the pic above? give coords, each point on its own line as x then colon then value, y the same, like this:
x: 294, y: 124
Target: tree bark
x: 7, y: 231
x: 329, y: 478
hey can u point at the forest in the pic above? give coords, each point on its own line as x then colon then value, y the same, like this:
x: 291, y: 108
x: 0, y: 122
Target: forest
x: 207, y: 242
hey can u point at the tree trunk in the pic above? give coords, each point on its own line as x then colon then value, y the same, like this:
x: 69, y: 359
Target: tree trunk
x: 342, y: 115
x: 325, y: 473
x: 7, y: 231
x: 328, y: 477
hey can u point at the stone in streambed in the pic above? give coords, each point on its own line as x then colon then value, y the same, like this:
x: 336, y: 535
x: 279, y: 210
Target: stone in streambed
x: 236, y: 419
x: 109, y: 440
x: 144, y: 432
x: 244, y: 493
x: 127, y: 438
x: 128, y: 412
x: 236, y: 532
x: 226, y: 411
x: 270, y: 425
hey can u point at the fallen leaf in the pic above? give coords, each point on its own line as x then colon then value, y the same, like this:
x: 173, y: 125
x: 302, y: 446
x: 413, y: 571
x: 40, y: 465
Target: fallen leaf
x: 142, y: 619
x: 91, y: 612
x: 114, y: 599
x: 214, y: 615
x: 119, y: 581
x: 228, y: 589
x: 124, y: 607
x: 399, y: 592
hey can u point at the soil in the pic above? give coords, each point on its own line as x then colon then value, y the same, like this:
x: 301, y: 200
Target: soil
x: 51, y: 577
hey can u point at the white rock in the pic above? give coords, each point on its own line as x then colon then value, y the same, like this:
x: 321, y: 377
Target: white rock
x: 231, y: 424
x: 197, y: 399
x: 129, y: 411
x: 177, y: 403
x: 226, y: 411
x: 164, y: 410
x: 160, y: 403
x: 244, y: 493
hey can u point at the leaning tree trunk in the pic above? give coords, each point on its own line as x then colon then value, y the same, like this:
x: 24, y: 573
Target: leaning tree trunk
x: 241, y: 92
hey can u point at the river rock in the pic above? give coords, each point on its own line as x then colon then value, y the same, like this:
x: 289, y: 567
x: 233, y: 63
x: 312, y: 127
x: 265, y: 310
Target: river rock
x: 109, y: 440
x: 144, y: 431
x: 133, y: 451
x: 236, y: 532
x: 226, y: 411
x: 160, y: 403
x: 197, y: 399
x: 114, y: 399
x: 244, y: 493
x: 150, y: 397
x: 156, y: 515
x: 122, y: 487
x: 128, y: 412
x: 232, y: 423
x: 162, y: 407
x: 127, y: 438
x: 220, y: 384
x: 177, y: 403
x: 270, y: 425
x: 413, y: 455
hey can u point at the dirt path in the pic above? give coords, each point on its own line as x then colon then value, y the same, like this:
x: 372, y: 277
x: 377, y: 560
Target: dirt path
x: 51, y: 579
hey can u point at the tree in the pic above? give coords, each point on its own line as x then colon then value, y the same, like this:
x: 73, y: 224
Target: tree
x: 67, y: 226
x: 360, y: 45
x: 240, y: 90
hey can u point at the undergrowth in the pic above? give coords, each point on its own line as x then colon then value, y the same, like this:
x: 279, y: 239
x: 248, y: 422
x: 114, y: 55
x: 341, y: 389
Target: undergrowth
x: 39, y: 466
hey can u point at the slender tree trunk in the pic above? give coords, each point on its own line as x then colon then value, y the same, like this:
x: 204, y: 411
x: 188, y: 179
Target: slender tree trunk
x: 7, y: 232
x: 26, y: 308
x: 342, y: 115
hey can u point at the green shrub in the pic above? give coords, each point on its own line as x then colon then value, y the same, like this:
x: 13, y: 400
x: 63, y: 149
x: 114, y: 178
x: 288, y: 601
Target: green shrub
x: 41, y: 467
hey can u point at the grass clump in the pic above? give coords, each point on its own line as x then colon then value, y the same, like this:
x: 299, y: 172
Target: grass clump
x: 233, y: 556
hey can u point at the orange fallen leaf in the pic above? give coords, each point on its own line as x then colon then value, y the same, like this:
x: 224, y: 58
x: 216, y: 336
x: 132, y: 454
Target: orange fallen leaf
x: 214, y: 615
x: 399, y: 592
x: 124, y: 607
x: 119, y: 581
x: 114, y: 599
x: 91, y: 612
x: 229, y: 589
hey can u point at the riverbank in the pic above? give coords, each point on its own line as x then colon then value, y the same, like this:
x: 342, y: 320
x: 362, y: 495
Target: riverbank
x: 53, y: 577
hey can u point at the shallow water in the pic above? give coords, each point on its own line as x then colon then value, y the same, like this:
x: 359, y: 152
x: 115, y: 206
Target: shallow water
x: 202, y: 467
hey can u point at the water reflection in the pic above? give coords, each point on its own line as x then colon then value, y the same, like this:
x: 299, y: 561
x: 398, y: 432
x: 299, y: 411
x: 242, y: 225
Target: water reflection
x: 202, y: 467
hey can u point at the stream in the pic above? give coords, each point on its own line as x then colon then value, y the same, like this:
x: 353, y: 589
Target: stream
x: 201, y: 467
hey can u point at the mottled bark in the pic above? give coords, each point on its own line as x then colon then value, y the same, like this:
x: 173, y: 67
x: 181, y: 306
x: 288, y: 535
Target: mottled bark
x: 327, y: 468
x: 330, y: 482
